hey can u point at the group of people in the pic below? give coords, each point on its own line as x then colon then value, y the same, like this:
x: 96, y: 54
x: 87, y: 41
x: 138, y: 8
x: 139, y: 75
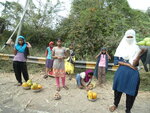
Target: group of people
x: 126, y: 79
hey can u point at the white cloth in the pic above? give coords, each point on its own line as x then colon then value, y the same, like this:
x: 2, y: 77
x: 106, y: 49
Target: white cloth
x: 127, y: 48
x: 82, y: 75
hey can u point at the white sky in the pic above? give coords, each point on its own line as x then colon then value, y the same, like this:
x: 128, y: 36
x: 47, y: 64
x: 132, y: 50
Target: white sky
x: 135, y: 4
x: 139, y: 4
x: 65, y: 6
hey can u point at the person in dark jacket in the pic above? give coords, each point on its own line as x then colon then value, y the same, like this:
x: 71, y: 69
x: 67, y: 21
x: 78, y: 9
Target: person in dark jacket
x: 102, y: 66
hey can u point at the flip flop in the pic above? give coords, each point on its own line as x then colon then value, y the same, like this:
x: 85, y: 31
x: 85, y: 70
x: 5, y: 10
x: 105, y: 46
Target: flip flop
x: 65, y: 87
x: 45, y: 76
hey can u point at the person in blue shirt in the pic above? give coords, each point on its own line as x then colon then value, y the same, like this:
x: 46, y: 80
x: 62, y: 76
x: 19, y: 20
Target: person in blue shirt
x: 49, y: 59
x: 126, y: 79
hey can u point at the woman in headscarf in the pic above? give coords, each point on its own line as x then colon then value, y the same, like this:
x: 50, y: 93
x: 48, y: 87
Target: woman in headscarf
x: 126, y: 79
x: 19, y: 61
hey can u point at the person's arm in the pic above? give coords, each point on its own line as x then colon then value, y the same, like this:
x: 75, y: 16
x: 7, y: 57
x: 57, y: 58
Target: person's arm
x: 97, y: 55
x: 15, y: 51
x: 64, y: 57
x: 83, y: 83
x: 28, y: 45
x: 53, y: 54
x: 127, y: 64
x: 108, y: 56
x: 136, y: 61
x: 89, y: 82
x: 46, y: 52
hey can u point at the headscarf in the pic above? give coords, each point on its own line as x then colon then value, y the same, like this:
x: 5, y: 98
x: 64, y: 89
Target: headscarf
x: 103, y: 49
x: 18, y: 47
x: 127, y: 48
x: 87, y: 78
x: 51, y: 43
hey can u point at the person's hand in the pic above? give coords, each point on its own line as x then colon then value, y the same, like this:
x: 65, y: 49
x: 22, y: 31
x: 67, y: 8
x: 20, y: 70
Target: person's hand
x: 87, y: 88
x: 60, y: 58
x: 28, y: 44
x: 131, y: 66
x: 109, y: 57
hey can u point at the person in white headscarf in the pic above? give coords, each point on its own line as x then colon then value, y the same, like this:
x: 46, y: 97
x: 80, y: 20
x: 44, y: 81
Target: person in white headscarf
x: 126, y: 79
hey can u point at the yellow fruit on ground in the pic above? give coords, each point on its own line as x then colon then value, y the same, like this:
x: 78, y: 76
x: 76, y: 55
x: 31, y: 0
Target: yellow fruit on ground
x: 29, y: 84
x: 94, y: 95
x: 89, y: 91
x: 39, y: 86
x: 29, y: 81
x: 24, y: 84
x: 90, y: 95
x: 34, y: 86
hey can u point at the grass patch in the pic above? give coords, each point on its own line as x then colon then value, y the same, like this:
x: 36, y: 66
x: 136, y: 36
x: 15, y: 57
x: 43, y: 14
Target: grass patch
x: 145, y: 80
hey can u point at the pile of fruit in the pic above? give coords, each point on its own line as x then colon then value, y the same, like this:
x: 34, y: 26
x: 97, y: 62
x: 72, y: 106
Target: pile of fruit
x: 27, y: 85
x: 145, y: 42
x: 33, y: 86
x: 92, y: 96
x: 36, y: 86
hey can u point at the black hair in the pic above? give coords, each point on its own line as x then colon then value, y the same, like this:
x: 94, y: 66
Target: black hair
x: 59, y: 39
x: 90, y: 73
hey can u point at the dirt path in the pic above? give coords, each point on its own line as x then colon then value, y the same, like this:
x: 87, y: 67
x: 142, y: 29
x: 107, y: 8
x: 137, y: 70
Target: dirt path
x: 14, y: 99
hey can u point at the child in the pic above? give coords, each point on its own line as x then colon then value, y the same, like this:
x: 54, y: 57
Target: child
x: 69, y: 62
x: 101, y: 66
x: 19, y: 61
x: 59, y: 54
x: 49, y: 60
x: 84, y: 79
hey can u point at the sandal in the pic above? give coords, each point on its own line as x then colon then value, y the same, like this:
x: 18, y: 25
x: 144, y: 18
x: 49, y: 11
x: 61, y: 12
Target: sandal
x: 112, y: 108
x: 45, y: 76
x: 18, y: 84
x: 65, y: 87
x: 58, y: 89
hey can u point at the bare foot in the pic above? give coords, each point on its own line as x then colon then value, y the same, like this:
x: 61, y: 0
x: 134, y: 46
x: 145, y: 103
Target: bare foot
x: 112, y: 108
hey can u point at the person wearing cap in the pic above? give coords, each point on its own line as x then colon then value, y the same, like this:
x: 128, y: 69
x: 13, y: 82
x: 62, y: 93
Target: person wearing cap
x: 49, y: 59
x: 101, y: 66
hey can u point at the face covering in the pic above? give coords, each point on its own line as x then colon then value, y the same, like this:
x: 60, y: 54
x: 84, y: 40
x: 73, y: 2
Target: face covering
x: 129, y: 40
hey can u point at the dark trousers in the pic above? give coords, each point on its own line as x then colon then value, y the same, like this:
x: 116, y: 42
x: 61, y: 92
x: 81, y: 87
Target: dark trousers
x: 20, y: 67
x: 129, y: 100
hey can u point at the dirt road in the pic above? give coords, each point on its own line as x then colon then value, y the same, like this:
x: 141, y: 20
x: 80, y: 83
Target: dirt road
x: 15, y: 99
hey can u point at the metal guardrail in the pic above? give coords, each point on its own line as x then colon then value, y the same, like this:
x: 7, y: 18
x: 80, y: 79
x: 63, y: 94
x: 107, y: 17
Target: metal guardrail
x: 41, y: 60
